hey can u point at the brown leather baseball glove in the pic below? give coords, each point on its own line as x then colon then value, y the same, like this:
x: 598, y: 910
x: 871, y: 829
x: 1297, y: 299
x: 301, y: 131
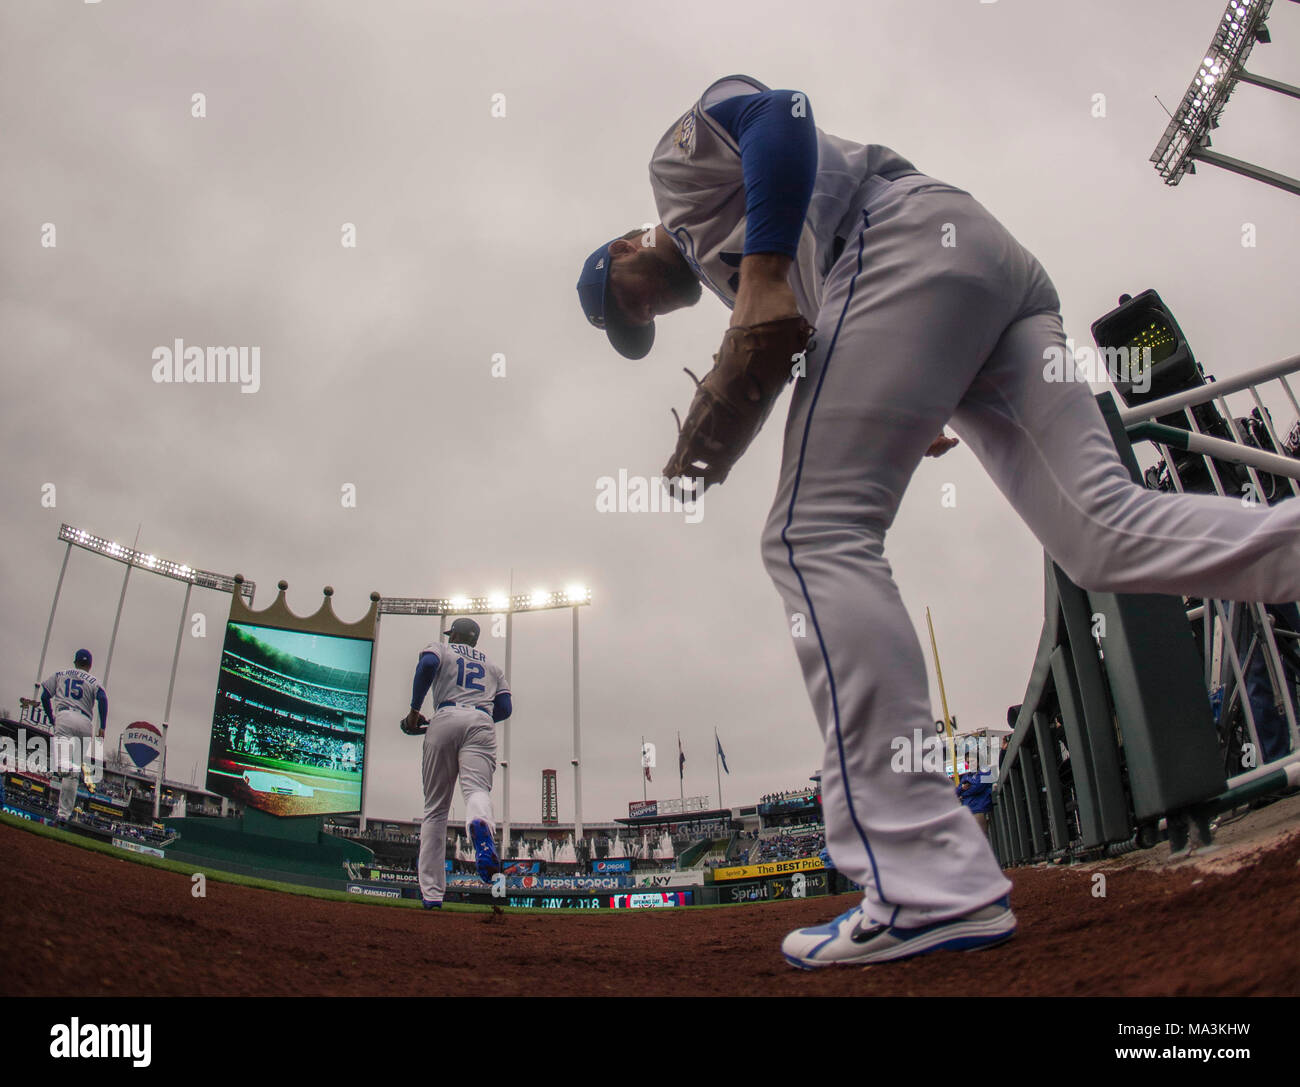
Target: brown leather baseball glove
x: 734, y: 399
x: 412, y: 727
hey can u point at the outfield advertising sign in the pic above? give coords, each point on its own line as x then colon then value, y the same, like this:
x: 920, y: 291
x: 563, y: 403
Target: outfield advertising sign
x: 373, y: 892
x: 138, y: 847
x: 776, y: 868
x: 143, y: 742
x: 651, y: 900
x: 798, y: 885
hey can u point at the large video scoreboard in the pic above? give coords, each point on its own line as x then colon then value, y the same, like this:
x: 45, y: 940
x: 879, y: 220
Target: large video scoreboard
x: 289, y: 721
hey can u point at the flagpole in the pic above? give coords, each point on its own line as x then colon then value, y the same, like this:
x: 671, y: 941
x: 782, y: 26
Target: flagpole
x: 505, y: 725
x: 717, y: 764
x: 681, y: 770
x: 947, y: 722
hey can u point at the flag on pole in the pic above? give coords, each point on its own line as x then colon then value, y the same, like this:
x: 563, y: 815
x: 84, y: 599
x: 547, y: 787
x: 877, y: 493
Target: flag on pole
x: 681, y: 758
x: 721, y: 754
x: 646, y: 759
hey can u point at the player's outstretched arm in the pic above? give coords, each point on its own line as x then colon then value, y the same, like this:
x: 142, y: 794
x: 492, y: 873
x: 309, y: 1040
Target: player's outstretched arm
x: 425, y: 672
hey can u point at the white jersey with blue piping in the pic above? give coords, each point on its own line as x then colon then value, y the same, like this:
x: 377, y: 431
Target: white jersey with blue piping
x: 699, y: 191
x: 465, y: 678
x: 72, y: 689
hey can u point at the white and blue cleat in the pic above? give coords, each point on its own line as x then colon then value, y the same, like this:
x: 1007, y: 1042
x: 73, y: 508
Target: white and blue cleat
x: 852, y: 939
x: 485, y: 851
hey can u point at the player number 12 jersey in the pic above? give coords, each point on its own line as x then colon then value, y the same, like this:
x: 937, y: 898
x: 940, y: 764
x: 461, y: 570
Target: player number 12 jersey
x: 465, y: 677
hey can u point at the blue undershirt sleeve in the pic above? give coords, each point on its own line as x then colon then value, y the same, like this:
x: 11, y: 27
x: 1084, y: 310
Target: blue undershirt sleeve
x: 425, y: 672
x: 778, y: 153
x: 502, y: 707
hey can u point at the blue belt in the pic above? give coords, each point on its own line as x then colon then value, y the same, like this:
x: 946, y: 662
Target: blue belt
x: 458, y: 706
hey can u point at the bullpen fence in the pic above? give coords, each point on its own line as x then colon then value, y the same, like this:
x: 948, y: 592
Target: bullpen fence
x: 1190, y: 709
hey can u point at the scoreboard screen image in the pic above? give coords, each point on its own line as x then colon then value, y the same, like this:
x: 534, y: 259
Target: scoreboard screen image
x: 289, y: 723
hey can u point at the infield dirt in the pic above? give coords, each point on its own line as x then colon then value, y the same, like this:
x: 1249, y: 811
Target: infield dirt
x: 84, y: 923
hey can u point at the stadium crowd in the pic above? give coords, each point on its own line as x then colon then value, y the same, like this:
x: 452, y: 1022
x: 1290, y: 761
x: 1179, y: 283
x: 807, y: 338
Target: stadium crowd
x: 376, y: 834
x: 806, y: 793
x: 790, y: 843
x: 291, y: 743
x: 332, y: 697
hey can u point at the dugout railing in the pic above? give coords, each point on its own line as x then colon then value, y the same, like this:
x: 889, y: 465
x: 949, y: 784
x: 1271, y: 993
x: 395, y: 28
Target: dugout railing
x: 1145, y: 713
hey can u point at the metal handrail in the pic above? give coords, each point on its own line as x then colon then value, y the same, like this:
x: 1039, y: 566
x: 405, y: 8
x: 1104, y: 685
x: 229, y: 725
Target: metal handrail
x: 1219, y: 448
x: 1209, y: 391
x: 1138, y: 425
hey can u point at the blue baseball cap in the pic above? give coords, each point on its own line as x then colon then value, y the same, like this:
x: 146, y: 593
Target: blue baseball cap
x: 630, y: 341
x: 466, y: 628
x: 81, y: 655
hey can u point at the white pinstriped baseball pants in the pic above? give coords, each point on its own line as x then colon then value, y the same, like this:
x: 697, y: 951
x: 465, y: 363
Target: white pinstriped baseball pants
x: 69, y: 755
x: 913, y: 335
x: 458, y: 743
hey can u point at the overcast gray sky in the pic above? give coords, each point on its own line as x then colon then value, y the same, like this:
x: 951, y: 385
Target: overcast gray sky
x: 376, y: 361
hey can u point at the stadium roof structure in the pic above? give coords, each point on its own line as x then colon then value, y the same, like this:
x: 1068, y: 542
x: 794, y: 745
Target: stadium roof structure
x: 675, y: 817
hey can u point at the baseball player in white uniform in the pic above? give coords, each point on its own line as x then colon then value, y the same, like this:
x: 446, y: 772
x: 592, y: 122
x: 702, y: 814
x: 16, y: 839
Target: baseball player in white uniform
x: 70, y: 698
x: 470, y: 695
x: 927, y: 312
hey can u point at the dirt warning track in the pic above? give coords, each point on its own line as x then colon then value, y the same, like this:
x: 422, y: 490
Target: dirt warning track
x: 84, y: 923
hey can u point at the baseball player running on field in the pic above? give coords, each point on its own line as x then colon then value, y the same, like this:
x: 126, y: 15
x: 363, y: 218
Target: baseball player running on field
x: 70, y: 697
x: 469, y: 696
x: 927, y: 311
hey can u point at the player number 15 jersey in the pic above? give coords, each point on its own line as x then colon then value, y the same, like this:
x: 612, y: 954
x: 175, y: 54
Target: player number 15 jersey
x: 72, y: 689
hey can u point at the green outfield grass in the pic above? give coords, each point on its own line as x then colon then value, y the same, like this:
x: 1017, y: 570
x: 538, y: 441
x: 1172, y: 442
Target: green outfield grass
x: 216, y: 874
x: 295, y: 767
x: 219, y: 876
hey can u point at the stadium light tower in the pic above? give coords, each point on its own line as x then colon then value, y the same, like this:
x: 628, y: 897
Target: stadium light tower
x: 1186, y: 139
x: 130, y: 557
